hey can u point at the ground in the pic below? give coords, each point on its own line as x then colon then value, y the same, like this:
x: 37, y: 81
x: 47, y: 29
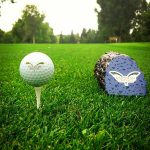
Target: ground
x: 75, y: 113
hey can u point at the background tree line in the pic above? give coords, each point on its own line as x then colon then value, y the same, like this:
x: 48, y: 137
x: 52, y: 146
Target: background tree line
x: 87, y: 36
x: 129, y: 20
x: 30, y: 28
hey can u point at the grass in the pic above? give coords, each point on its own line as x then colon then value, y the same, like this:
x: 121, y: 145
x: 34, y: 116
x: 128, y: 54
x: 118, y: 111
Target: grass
x: 76, y: 113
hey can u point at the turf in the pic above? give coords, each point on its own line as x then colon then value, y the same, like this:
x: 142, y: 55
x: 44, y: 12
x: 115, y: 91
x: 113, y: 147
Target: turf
x: 75, y: 113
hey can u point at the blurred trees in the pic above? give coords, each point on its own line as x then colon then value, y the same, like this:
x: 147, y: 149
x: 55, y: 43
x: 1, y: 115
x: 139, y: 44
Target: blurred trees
x: 32, y: 22
x: 83, y: 38
x: 115, y: 18
x: 141, y: 30
x: 45, y: 34
x: 128, y: 20
x: 61, y: 38
x: 72, y: 38
x: 89, y: 36
x: 31, y: 27
x: 18, y: 31
x: 6, y: 37
x: 2, y: 33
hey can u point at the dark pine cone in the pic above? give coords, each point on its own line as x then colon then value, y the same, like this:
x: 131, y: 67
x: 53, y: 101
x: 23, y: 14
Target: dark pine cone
x: 101, y: 65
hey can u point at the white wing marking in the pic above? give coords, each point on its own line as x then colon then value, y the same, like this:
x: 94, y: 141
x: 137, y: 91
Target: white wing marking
x: 117, y: 75
x: 130, y: 78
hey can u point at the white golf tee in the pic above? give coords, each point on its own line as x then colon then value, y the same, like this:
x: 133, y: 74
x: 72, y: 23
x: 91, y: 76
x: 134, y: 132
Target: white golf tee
x: 38, y: 96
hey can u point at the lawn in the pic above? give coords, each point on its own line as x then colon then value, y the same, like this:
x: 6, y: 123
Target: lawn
x: 76, y: 113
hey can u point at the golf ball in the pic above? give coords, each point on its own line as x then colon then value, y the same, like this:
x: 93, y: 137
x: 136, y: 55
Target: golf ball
x: 36, y: 69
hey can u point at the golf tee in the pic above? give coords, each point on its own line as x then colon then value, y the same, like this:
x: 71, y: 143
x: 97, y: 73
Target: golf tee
x: 38, y: 96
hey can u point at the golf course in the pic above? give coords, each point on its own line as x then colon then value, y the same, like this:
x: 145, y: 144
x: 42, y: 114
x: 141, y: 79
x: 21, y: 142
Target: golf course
x: 75, y: 113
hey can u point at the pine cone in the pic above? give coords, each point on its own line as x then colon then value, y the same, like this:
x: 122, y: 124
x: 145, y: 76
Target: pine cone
x: 101, y: 65
x: 118, y: 74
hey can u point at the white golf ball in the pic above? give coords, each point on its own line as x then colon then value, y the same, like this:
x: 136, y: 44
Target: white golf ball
x: 36, y: 69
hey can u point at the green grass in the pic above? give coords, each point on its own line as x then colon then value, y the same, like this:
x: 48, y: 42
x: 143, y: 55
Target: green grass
x: 76, y: 113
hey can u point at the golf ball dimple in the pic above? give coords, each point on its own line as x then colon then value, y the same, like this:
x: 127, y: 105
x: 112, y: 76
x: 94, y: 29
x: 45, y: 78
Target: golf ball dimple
x: 36, y: 69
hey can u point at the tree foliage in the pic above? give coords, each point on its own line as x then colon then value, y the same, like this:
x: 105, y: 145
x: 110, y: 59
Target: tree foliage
x: 72, y: 38
x: 115, y: 17
x: 83, y: 38
x: 2, y: 33
x: 18, y: 31
x: 141, y: 30
x: 8, y: 37
x: 61, y: 38
x: 31, y: 27
x: 32, y: 20
x: 45, y: 34
x: 146, y: 22
x: 89, y: 36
